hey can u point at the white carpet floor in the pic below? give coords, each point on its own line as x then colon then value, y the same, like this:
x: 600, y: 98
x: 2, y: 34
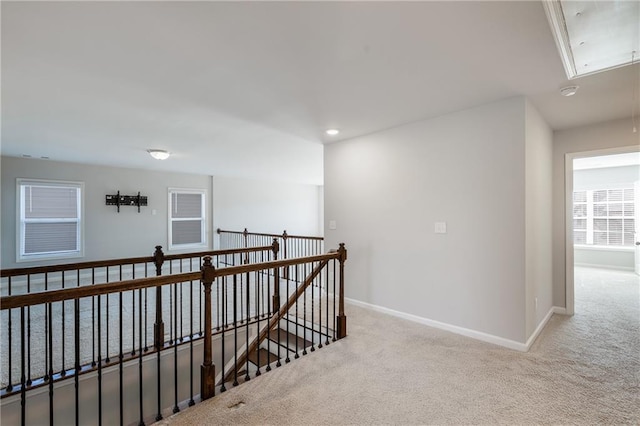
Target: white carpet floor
x: 583, y: 369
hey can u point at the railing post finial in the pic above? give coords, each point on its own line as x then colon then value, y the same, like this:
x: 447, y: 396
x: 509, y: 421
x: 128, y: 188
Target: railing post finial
x: 343, y: 253
x: 208, y: 271
x: 285, y: 235
x: 158, y: 260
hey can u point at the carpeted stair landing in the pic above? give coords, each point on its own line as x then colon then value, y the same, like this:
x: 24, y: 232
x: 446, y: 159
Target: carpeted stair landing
x: 583, y: 369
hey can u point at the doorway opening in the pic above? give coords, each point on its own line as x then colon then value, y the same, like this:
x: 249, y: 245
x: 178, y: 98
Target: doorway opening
x: 603, y: 216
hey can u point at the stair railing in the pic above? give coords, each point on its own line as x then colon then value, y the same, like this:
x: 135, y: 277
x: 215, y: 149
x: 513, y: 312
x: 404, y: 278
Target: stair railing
x: 73, y: 275
x: 291, y: 245
x: 235, y: 303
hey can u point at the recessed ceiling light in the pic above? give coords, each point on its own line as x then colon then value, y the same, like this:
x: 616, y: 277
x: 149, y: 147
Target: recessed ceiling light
x: 159, y: 154
x: 332, y: 132
x: 569, y: 90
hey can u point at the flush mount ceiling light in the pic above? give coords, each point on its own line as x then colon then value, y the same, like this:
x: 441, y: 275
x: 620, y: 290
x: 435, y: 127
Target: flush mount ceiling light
x: 569, y: 90
x: 594, y: 36
x: 332, y: 132
x: 159, y: 154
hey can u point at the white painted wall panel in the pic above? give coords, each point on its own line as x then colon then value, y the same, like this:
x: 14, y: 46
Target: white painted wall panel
x: 385, y: 191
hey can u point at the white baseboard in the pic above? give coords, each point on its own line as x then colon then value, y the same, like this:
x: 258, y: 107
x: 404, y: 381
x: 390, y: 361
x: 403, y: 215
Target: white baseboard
x: 478, y: 335
x: 558, y: 310
x: 539, y: 329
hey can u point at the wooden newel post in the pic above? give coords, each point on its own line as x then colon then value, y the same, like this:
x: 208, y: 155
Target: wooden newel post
x: 341, y: 324
x: 158, y: 326
x: 275, y: 300
x: 207, y: 370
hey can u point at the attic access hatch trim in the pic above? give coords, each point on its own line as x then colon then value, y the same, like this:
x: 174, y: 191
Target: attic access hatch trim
x: 583, y: 30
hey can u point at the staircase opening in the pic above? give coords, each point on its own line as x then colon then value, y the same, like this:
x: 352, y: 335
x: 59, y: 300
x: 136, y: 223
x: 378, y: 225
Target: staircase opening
x: 134, y: 340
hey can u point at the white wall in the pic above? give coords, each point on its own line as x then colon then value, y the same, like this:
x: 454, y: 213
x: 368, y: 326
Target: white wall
x: 108, y: 234
x: 612, y: 134
x: 267, y: 207
x: 386, y: 190
x: 538, y: 160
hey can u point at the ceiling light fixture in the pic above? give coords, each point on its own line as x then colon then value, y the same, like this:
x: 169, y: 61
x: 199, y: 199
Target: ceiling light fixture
x: 569, y: 90
x: 332, y: 132
x: 159, y: 154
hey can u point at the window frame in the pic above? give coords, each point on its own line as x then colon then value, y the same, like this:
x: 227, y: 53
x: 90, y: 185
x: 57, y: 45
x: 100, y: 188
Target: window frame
x: 202, y: 218
x: 21, y: 221
x: 591, y: 217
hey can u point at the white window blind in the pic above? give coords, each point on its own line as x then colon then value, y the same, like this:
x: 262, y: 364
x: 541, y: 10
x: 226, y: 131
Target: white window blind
x: 50, y: 219
x: 186, y: 218
x: 604, y: 217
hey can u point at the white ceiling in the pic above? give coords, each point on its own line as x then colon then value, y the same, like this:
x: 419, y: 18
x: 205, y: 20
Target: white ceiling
x: 248, y: 88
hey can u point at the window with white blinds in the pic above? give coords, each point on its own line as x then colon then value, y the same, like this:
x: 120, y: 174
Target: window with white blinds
x: 186, y: 218
x: 50, y: 219
x: 604, y: 217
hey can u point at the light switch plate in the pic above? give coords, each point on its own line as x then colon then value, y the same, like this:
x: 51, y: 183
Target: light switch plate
x: 332, y: 224
x: 440, y: 228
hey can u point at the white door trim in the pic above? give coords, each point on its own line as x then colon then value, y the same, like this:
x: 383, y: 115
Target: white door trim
x: 568, y: 213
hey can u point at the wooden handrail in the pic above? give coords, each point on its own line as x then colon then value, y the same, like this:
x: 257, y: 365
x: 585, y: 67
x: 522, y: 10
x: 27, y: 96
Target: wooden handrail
x: 283, y: 235
x: 49, y: 296
x: 124, y: 261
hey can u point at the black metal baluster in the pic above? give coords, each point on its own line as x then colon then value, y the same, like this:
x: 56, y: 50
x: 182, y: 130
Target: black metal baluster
x: 93, y: 321
x: 191, y: 401
x: 296, y: 277
x: 23, y: 380
x: 334, y: 300
x: 133, y: 314
x: 106, y: 342
x: 235, y: 330
x: 313, y: 316
x: 146, y: 295
x: 223, y: 313
x: 320, y: 309
x: 140, y: 378
x: 286, y: 283
x: 225, y: 319
x: 181, y: 309
x: 76, y: 326
x: 326, y: 291
x: 63, y: 371
x: 304, y: 313
x: 28, y: 382
x: 50, y: 321
x: 247, y: 377
x: 269, y: 310
x: 46, y: 334
x: 175, y: 351
x: 121, y: 357
x: 10, y: 351
x: 172, y: 290
x: 240, y: 300
x: 99, y: 360
x: 258, y: 301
